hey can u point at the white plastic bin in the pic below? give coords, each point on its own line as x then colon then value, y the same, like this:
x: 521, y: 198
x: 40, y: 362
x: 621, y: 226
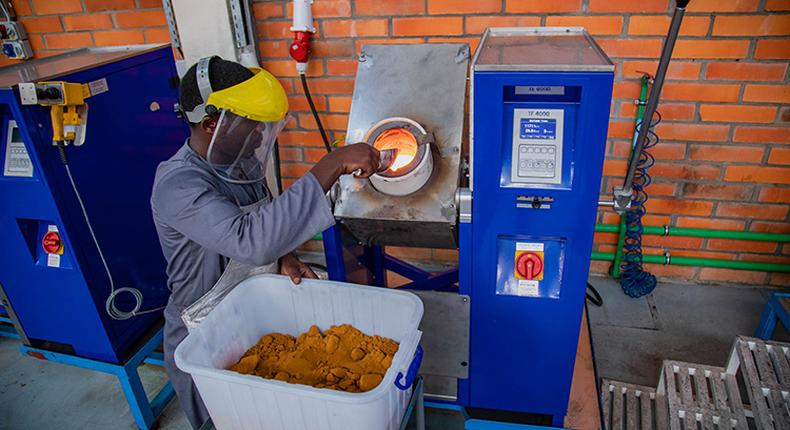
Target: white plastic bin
x: 270, y: 303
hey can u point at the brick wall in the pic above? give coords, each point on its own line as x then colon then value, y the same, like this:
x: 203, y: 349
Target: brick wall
x: 724, y: 157
x: 56, y: 26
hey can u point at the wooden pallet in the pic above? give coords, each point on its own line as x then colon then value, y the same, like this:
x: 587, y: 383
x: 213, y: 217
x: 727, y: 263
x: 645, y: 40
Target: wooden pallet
x: 765, y: 369
x: 701, y: 396
x: 632, y: 407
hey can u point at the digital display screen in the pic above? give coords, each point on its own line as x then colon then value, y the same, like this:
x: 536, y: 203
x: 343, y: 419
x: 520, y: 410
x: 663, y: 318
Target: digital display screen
x: 534, y: 128
x: 16, y: 136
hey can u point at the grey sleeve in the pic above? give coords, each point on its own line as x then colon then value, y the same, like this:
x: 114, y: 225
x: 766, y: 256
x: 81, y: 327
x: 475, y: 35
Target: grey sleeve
x: 191, y: 205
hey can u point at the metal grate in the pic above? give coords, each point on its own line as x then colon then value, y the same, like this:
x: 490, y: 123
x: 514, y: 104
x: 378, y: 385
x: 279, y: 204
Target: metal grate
x: 632, y: 407
x: 701, y: 396
x: 765, y: 370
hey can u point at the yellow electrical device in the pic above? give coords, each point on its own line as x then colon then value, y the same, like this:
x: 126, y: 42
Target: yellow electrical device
x: 68, y: 109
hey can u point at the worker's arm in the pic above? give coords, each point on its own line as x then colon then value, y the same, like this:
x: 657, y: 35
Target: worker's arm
x: 190, y: 203
x: 359, y: 158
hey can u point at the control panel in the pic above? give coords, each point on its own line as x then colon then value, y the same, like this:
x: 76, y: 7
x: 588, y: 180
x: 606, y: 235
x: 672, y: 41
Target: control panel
x: 17, y: 160
x: 537, y: 146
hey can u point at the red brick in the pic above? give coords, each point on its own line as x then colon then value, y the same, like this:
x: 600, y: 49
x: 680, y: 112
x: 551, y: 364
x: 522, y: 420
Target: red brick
x: 631, y: 48
x: 723, y: 6
x: 118, y: 37
x: 664, y: 151
x: 781, y: 5
x: 274, y: 48
x: 427, y: 26
x: 314, y: 155
x: 746, y: 71
x: 767, y: 93
x: 69, y: 40
x: 390, y: 41
x: 22, y: 7
x: 331, y: 85
x: 616, y: 168
x: 716, y: 191
x: 147, y: 18
x: 685, y: 171
x: 157, y: 35
x: 150, y: 4
x: 340, y: 104
x: 329, y: 121
x: 676, y: 111
x: 741, y: 245
x: 768, y: 175
x: 601, y: 238
x: 44, y: 24
x: 37, y: 43
x: 387, y: 8
x: 693, y: 132
x: 751, y: 210
x: 779, y: 156
x: 770, y: 227
x: 478, y: 24
x: 780, y: 279
x: 48, y: 7
x: 658, y: 25
x: 333, y: 48
x: 300, y: 138
x: 282, y: 68
x: 762, y: 134
x: 737, y: 113
x: 710, y: 223
x: 295, y: 170
x: 298, y: 102
x: 99, y: 5
x: 355, y: 28
x: 673, y: 242
x: 729, y: 275
x: 772, y: 49
x: 703, y: 254
x: 677, y: 272
x: 622, y: 129
x: 274, y: 30
x: 290, y: 154
x: 93, y: 21
x: 445, y: 7
x: 542, y: 6
x: 620, y: 7
x: 679, y: 206
x: 683, y: 70
x: 662, y: 190
x: 593, y: 24
x: 626, y: 89
x: 262, y: 11
x: 774, y: 195
x: 688, y: 48
x: 752, y: 25
x: 742, y: 154
x: 342, y: 67
x: 326, y: 8
x: 701, y: 92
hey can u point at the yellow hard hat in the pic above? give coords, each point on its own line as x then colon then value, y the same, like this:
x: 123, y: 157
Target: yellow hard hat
x: 260, y: 98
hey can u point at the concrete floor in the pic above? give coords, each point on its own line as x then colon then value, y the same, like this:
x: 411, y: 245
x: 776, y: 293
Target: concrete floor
x: 631, y: 337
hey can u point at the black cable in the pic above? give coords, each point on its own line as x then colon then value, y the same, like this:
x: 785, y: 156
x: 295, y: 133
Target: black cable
x: 595, y: 298
x: 277, y: 172
x: 315, y: 113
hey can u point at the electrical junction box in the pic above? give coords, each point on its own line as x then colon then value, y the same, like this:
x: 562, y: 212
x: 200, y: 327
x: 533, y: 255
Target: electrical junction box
x: 539, y: 113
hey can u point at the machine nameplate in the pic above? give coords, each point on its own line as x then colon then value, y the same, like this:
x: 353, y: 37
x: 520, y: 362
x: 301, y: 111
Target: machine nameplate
x: 527, y: 288
x: 547, y: 90
x: 98, y: 86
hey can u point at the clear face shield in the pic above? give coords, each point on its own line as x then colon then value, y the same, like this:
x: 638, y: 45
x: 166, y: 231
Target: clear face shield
x: 240, y: 147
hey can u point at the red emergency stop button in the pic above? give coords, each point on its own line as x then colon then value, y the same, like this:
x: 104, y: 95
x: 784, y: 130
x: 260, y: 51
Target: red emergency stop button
x: 529, y: 265
x: 51, y: 243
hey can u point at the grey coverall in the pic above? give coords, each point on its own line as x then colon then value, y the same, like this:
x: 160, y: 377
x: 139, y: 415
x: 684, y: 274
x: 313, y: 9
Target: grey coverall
x: 201, y: 227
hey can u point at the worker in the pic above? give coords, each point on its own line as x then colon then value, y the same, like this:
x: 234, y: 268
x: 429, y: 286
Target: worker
x: 211, y: 204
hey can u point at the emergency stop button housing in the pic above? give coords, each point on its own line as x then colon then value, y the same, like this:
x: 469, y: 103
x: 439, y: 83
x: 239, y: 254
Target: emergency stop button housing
x: 529, y: 265
x: 52, y: 243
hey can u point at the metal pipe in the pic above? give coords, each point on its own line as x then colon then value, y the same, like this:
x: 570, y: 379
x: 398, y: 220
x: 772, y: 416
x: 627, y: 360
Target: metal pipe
x: 701, y: 232
x: 614, y: 271
x: 702, y: 262
x: 658, y: 83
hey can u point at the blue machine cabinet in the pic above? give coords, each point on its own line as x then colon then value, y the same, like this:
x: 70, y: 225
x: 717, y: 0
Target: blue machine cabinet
x: 57, y: 301
x: 539, y: 113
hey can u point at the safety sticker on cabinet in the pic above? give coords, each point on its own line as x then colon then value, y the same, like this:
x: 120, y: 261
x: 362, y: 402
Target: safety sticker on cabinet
x: 527, y: 288
x: 53, y: 260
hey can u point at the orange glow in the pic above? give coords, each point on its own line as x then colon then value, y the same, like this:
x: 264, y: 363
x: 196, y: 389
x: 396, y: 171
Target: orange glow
x: 400, y: 139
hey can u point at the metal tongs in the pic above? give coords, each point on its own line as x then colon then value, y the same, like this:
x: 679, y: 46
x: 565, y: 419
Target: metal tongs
x: 386, y: 158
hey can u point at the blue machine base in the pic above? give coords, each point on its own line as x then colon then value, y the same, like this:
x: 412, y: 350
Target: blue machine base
x: 774, y: 310
x: 145, y: 413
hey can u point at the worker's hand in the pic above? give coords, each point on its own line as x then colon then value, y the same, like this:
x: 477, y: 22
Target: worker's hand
x: 295, y: 269
x: 358, y: 157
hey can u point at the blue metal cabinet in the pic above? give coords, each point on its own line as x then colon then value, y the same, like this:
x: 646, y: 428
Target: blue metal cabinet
x: 58, y: 303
